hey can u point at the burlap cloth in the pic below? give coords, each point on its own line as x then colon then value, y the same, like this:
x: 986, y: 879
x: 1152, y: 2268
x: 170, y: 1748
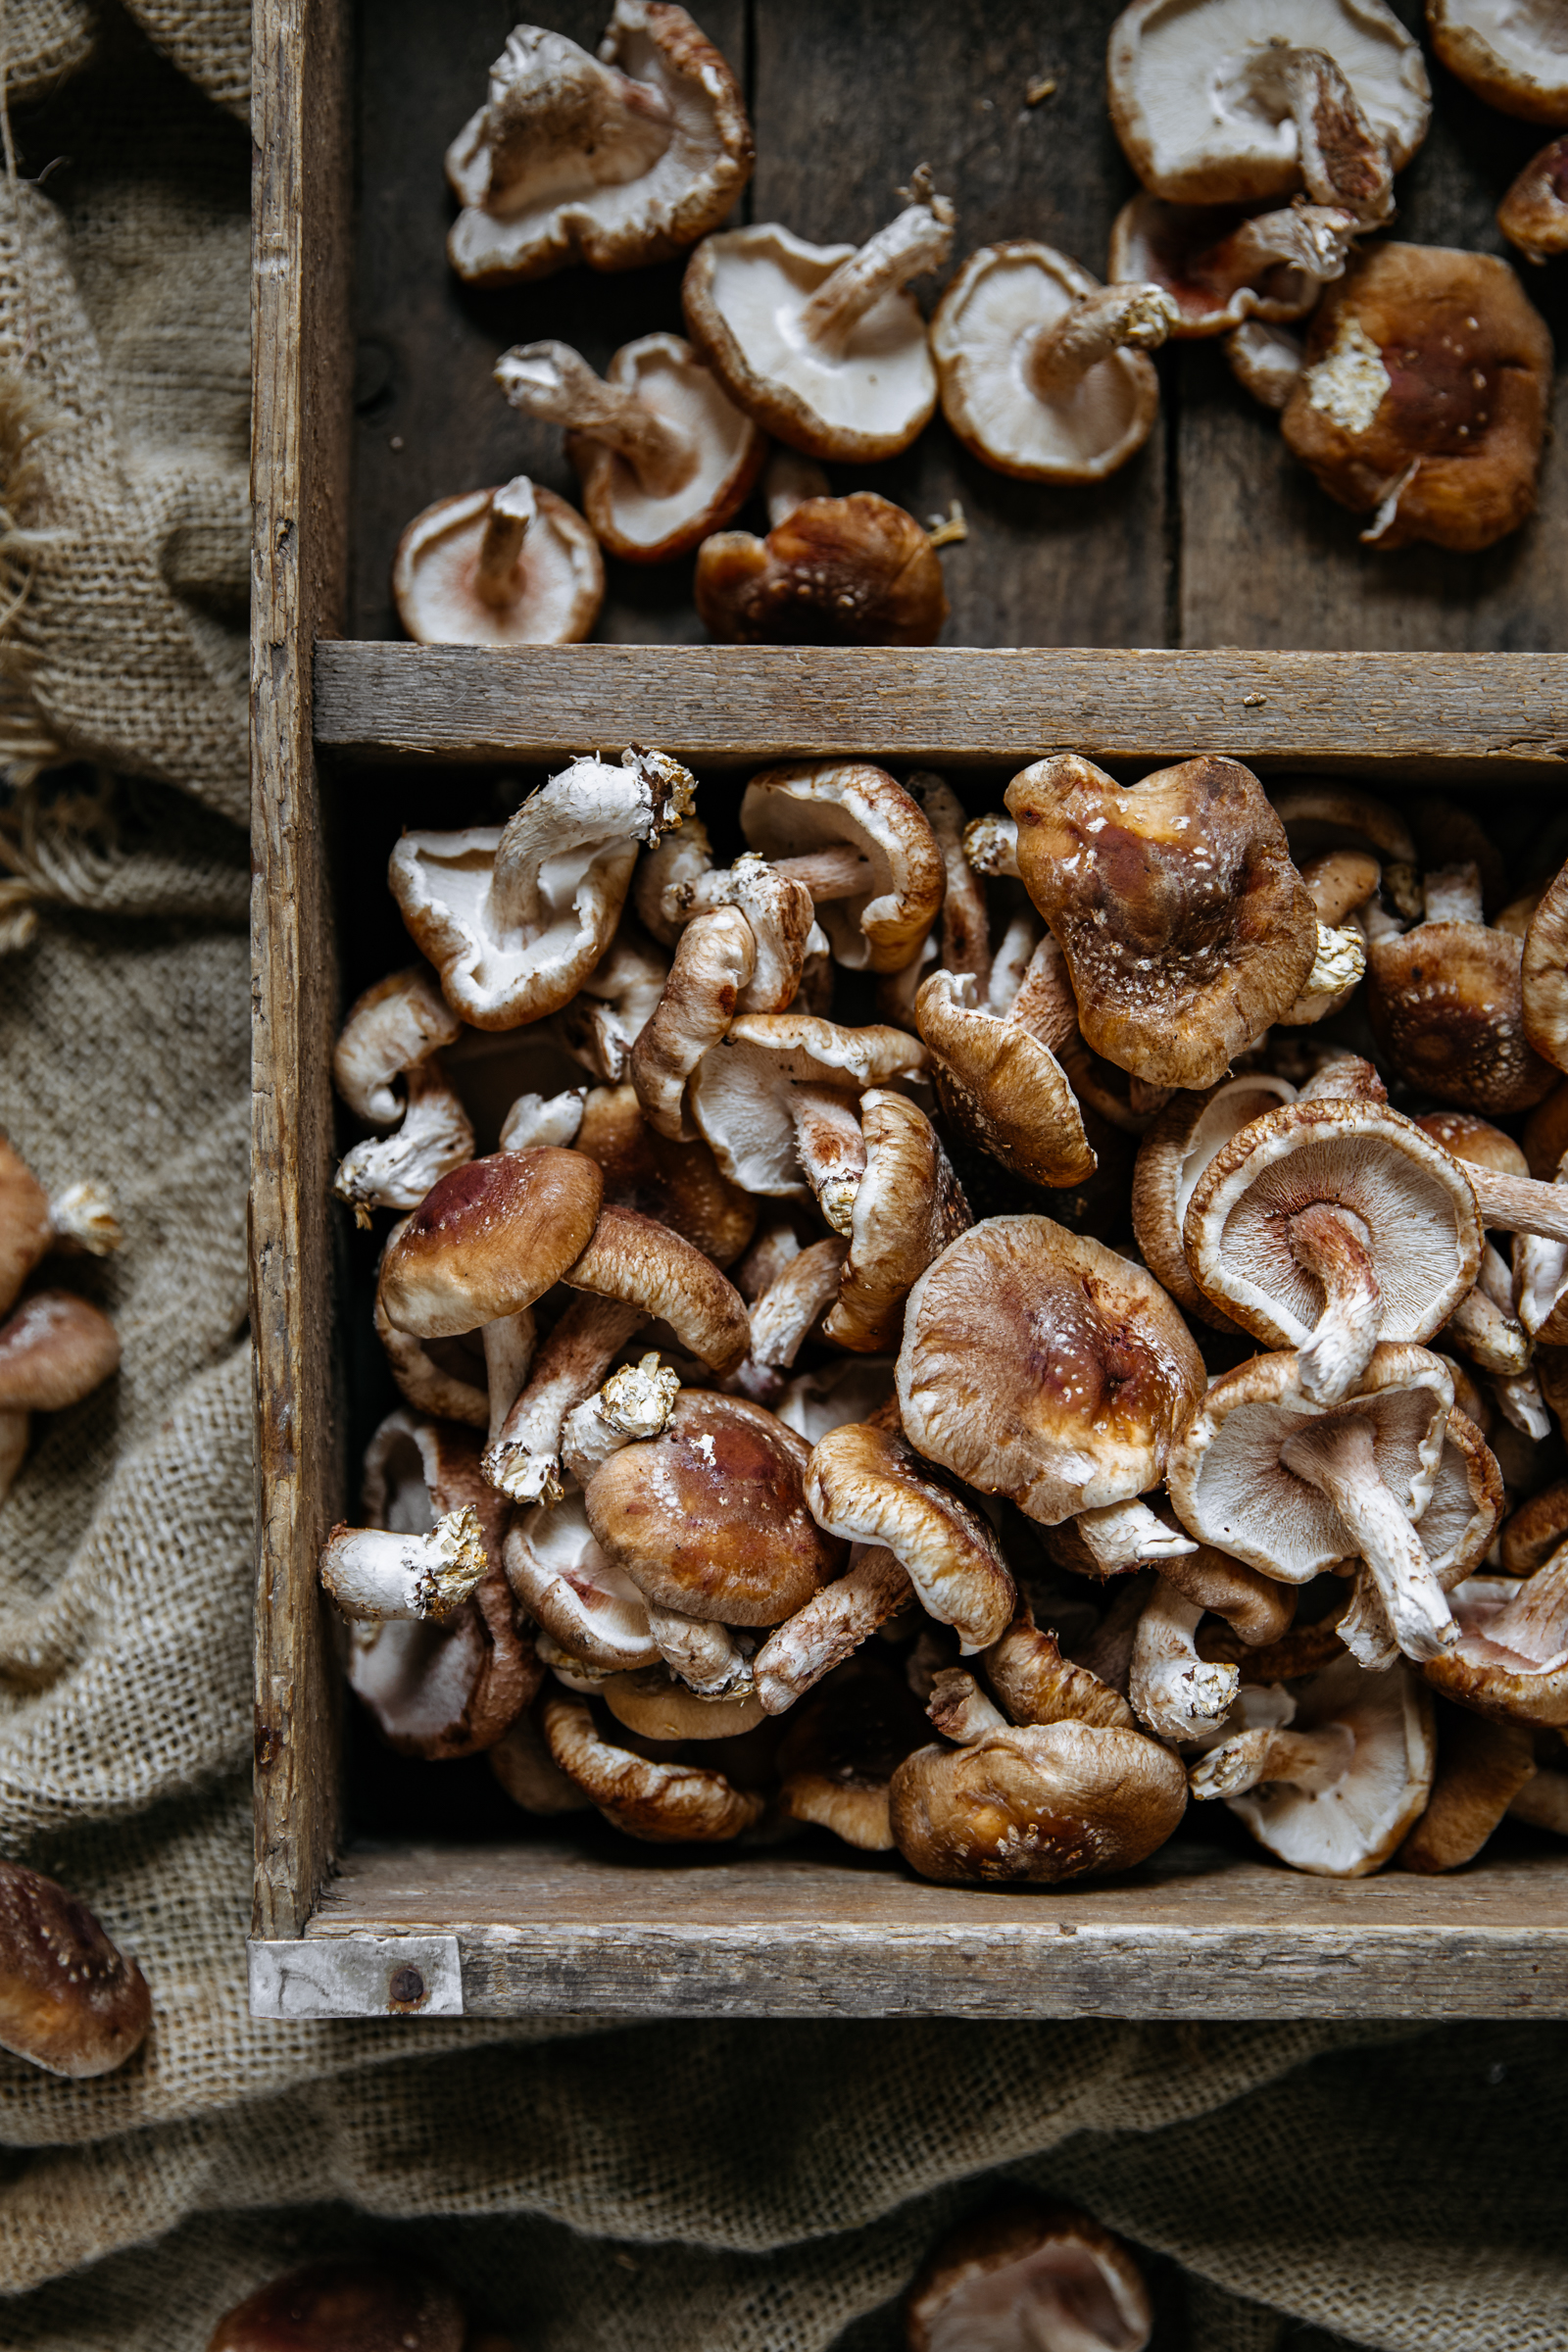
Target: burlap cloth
x: 734, y: 2187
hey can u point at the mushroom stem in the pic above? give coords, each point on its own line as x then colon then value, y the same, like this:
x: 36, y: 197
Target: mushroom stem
x: 960, y: 1710
x: 634, y: 1403
x: 918, y: 240
x: 1522, y: 1403
x: 1519, y: 1204
x: 1326, y: 1244
x: 513, y: 509
x: 397, y: 1170
x: 830, y: 1148
x: 991, y: 844
x: 1313, y: 1761
x: 1136, y: 317
x: 1487, y: 1330
x: 537, y: 1119
x: 1451, y: 893
x: 823, y: 1634
x: 1534, y: 1623
x: 83, y: 1220
x: 374, y: 1575
x: 1177, y: 1693
x: 551, y: 381
x: 841, y: 873
x: 704, y: 1654
x: 1342, y: 160
x: 790, y: 480
x: 1127, y: 1535
x: 1311, y: 238
x: 535, y: 870
x: 1339, y: 1458
x: 507, y: 1344
x: 524, y: 1458
x: 1542, y: 1801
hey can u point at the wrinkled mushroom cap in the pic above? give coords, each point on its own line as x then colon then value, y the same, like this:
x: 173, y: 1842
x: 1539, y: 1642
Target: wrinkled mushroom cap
x: 1186, y: 928
x: 1002, y: 1087
x: 1446, y: 1008
x: 1174, y: 1155
x: 1352, y: 1827
x: 1427, y: 359
x: 870, y: 1487
x: 667, y: 376
x: 743, y: 295
x: 1026, y: 2273
x: 1040, y: 1366
x: 981, y: 332
x: 740, y: 1091
x: 616, y: 162
x: 70, y: 2002
x: 1193, y: 124
x: 907, y: 1207
x: 856, y: 570
x: 1047, y: 1802
x: 1408, y: 1204
x: 659, y: 1802
x: 1515, y: 58
x: 557, y: 582
x: 792, y: 810
x: 489, y: 1240
x: 710, y: 1517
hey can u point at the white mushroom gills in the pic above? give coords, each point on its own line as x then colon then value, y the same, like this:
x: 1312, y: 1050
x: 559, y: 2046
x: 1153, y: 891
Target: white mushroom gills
x: 918, y: 240
x: 374, y: 1575
x: 395, y: 1171
x: 553, y: 382
x: 1338, y: 1457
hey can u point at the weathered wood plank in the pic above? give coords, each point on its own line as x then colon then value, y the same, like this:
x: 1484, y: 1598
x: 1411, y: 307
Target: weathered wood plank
x: 541, y: 1925
x: 298, y: 479
x: 1501, y: 715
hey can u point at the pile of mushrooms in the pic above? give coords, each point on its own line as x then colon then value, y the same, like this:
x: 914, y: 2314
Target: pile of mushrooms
x: 1126, y: 1368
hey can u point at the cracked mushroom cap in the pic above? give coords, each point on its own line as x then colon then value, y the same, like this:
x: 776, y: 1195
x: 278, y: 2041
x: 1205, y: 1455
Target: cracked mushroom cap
x: 856, y: 570
x: 1515, y: 58
x: 1423, y: 398
x: 70, y: 2002
x: 745, y: 1089
x: 812, y: 806
x: 1267, y: 1209
x: 908, y: 1206
x: 661, y: 1803
x: 870, y: 1487
x: 1223, y: 265
x: 1199, y: 102
x: 514, y: 565
x: 1510, y: 1661
x: 516, y: 918
x: 1043, y: 1803
x: 1001, y: 1085
x: 489, y: 1240
x: 1044, y: 372
x: 711, y: 1518
x: 1446, y: 1007
x: 1185, y: 926
x: 617, y: 160
x: 1040, y: 1366
x: 1024, y: 2273
x: 344, y: 2305
x: 1175, y: 1153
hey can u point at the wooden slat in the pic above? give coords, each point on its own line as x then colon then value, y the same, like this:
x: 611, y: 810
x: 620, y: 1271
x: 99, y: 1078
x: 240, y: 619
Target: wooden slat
x: 298, y: 477
x: 542, y: 1926
x: 1506, y: 713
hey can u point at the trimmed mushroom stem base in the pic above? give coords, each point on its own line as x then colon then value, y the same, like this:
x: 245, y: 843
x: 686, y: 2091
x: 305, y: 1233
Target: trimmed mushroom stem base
x: 1314, y: 239
x: 820, y: 1636
x: 1125, y: 317
x: 376, y: 1576
x: 1127, y: 1535
x: 1324, y: 1240
x: 1339, y: 1458
x: 1311, y: 1761
x: 1177, y: 1693
x: 525, y: 1459
x: 634, y: 1403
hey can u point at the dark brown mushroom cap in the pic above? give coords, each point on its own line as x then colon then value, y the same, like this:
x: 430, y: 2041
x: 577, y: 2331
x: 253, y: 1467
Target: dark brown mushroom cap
x: 1425, y: 357
x: 1534, y: 214
x: 70, y: 2002
x: 490, y: 1239
x: 856, y: 570
x: 1186, y: 928
x: 677, y: 1184
x: 1466, y: 1137
x: 25, y: 1228
x: 1446, y: 1008
x: 710, y: 1517
x: 54, y: 1351
x: 344, y: 2305
x: 1003, y: 1086
x: 1047, y: 1802
x: 1026, y: 2273
x: 1040, y: 1366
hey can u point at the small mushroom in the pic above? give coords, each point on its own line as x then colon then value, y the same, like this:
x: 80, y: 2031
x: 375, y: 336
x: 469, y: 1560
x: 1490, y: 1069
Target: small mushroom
x: 998, y: 1077
x: 1510, y: 1657
x: 1027, y: 2274
x: 1265, y: 360
x: 1446, y: 1006
x: 874, y: 1588
x: 1175, y: 1153
x: 1423, y: 399
x: 395, y: 1171
x: 1340, y: 884
x: 1482, y: 1767
x: 820, y: 343
x: 516, y: 918
x: 514, y: 565
x: 662, y: 456
x: 561, y: 1575
x: 1175, y: 1692
x: 856, y: 570
x: 69, y: 2001
x: 1185, y: 926
x: 1225, y: 272
x: 393, y: 1028
x: 842, y: 1747
x: 1037, y: 1684
x: 868, y: 1485
x: 1043, y: 370
x: 55, y: 1349
x: 1320, y: 819
x: 528, y: 1773
x: 864, y: 847
x: 907, y: 1207
x: 1534, y: 214
x: 79, y: 1220
x: 1514, y: 57
x: 345, y: 2304
x: 489, y: 1240
x: 617, y: 160
x: 659, y: 1802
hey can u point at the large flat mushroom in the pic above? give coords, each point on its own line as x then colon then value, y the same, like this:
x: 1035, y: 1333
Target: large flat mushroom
x: 856, y: 570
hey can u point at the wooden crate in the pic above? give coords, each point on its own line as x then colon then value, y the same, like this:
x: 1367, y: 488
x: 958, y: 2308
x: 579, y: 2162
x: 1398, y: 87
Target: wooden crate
x: 1208, y: 541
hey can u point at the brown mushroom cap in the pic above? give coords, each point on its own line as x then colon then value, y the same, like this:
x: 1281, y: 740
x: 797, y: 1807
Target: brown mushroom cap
x: 1036, y: 1684
x: 661, y: 1802
x: 1534, y: 214
x: 1040, y: 1366
x: 677, y: 1184
x: 1522, y: 1677
x: 870, y: 1487
x: 616, y: 161
x: 1186, y: 928
x: 651, y: 1701
x: 856, y: 570
x: 26, y: 1230
x: 70, y: 2002
x: 1045, y: 1802
x: 907, y: 1207
x: 814, y: 806
x: 1173, y: 1155
x: 514, y: 565
x: 55, y: 1349
x: 1446, y: 1008
x: 1468, y: 1138
x: 1514, y: 57
x: 1024, y: 2273
x: 1001, y: 1085
x: 1424, y: 396
x: 1544, y: 984
x: 1482, y: 1766
x: 490, y: 1239
x: 1536, y: 1529
x: 711, y: 1518
x: 344, y: 2305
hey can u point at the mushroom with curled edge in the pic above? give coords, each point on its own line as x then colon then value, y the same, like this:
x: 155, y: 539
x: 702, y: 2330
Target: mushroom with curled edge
x: 1036, y: 1684
x: 1040, y: 1802
x: 69, y: 2000
x: 514, y: 565
x: 449, y: 1685
x: 1510, y: 1659
x: 617, y: 160
x: 1423, y: 398
x: 1482, y: 1767
x: 907, y: 1207
x: 1447, y: 1007
x: 55, y: 1349
x: 662, y: 456
x: 855, y: 570
x: 1175, y: 1692
x: 1185, y: 926
x: 655, y: 1705
x: 1340, y: 884
x: 1457, y: 1528
x: 1514, y: 57
x: 1226, y: 271
x: 1294, y: 1489
x: 1321, y: 817
x: 1040, y: 1365
x: 1265, y: 360
x: 79, y: 1220
x: 862, y: 846
x: 820, y: 343
x: 1484, y: 1326
x: 560, y: 1575
x: 1044, y: 371
x: 663, y: 1804
x: 786, y: 1313
x: 842, y: 1746
x: 397, y: 1170
x: 1028, y: 2275
x: 516, y: 918
x: 873, y: 1590
x: 1325, y: 1226
x: 1173, y: 1155
x: 1534, y: 214
x: 677, y: 1184
x: 1336, y: 1789
x: 633, y: 1271
x: 996, y: 1074
x: 1543, y: 978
